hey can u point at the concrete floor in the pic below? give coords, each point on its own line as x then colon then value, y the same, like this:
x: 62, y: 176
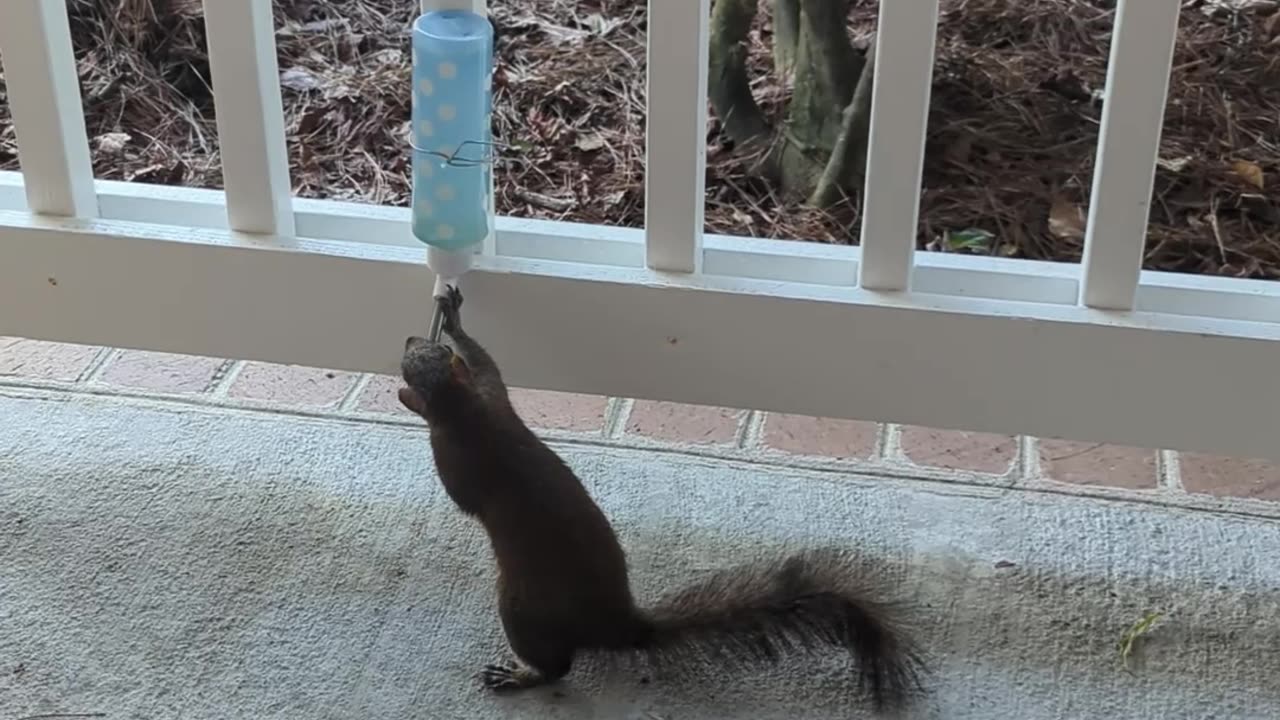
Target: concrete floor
x: 165, y: 560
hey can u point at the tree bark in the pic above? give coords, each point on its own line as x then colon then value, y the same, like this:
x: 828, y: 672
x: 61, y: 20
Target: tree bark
x: 820, y: 149
x: 729, y: 86
x: 786, y: 36
x: 826, y: 70
x: 846, y: 166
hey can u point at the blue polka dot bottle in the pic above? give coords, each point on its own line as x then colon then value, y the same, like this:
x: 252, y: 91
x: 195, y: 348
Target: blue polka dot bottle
x: 452, y: 69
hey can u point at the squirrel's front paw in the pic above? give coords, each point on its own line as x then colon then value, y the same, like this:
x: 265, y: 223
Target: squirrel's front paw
x: 452, y: 305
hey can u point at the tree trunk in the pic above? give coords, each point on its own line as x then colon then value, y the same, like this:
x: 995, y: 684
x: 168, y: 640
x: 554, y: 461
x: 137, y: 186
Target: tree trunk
x: 786, y: 36
x: 729, y: 87
x: 847, y: 164
x: 815, y: 154
x: 826, y: 72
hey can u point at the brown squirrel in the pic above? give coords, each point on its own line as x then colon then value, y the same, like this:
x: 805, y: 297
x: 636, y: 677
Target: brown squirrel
x: 562, y: 575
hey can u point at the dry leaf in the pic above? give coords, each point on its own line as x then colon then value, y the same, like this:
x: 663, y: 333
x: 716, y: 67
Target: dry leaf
x: 1249, y: 172
x: 1175, y: 164
x: 299, y: 79
x: 1066, y: 221
x: 112, y: 143
x: 1220, y: 8
x: 588, y: 143
x: 1272, y: 25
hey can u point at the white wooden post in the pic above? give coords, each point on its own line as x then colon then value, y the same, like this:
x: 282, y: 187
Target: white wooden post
x: 895, y: 153
x: 246, y: 90
x: 1142, y: 44
x: 44, y: 100
x: 675, y: 137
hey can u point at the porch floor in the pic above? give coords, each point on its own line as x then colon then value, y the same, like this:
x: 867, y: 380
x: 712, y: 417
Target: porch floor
x: 170, y: 558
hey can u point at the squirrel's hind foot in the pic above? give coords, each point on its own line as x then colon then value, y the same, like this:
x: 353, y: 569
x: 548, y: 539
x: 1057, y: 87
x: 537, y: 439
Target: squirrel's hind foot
x: 509, y: 677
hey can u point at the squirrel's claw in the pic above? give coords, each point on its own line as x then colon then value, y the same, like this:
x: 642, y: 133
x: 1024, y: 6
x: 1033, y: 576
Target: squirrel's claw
x: 451, y: 307
x: 501, y: 677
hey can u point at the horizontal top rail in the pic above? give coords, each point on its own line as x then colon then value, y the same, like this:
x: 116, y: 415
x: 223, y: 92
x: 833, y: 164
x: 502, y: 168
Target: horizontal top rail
x: 1055, y: 370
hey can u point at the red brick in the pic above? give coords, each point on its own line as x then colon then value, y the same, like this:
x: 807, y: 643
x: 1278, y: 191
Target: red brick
x: 1098, y: 464
x: 822, y: 437
x: 291, y: 385
x: 379, y: 396
x: 1234, y: 477
x: 39, y: 360
x: 544, y: 409
x: 675, y: 422
x: 957, y: 450
x: 540, y: 409
x: 161, y: 372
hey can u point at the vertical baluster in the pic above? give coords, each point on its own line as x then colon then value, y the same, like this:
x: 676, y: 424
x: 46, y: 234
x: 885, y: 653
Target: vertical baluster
x: 1142, y: 43
x: 905, y: 38
x: 44, y: 100
x: 251, y: 140
x: 676, y: 128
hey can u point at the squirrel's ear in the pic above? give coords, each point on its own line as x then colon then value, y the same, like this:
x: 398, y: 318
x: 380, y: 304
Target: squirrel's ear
x: 412, y: 401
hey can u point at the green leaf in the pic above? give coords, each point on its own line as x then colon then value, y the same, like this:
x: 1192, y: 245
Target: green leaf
x: 971, y: 239
x: 1131, y: 636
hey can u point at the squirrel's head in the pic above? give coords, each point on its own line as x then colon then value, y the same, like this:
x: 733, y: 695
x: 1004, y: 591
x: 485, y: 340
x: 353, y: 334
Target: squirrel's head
x: 437, y: 378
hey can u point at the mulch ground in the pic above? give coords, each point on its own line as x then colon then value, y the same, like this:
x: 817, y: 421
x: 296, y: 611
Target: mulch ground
x: 1014, y: 119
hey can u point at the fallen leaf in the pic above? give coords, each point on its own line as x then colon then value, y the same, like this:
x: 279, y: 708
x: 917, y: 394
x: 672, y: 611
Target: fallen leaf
x: 1174, y: 164
x: 1130, y: 637
x: 323, y: 25
x: 1066, y: 220
x: 1221, y: 8
x: 588, y: 143
x: 1272, y: 25
x: 112, y: 143
x: 1249, y: 172
x: 601, y: 26
x: 299, y: 79
x: 974, y: 240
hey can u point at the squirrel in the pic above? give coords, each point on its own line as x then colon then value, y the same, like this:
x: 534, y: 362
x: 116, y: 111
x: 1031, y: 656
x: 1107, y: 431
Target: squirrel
x: 562, y: 585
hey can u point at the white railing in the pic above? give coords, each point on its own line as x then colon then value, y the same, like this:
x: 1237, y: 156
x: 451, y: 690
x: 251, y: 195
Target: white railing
x: 1101, y: 351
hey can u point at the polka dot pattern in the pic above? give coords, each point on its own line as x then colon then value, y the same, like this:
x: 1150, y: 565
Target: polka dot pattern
x: 443, y: 91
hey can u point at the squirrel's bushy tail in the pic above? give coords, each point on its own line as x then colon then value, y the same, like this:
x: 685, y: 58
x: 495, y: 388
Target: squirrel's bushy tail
x: 762, y: 612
